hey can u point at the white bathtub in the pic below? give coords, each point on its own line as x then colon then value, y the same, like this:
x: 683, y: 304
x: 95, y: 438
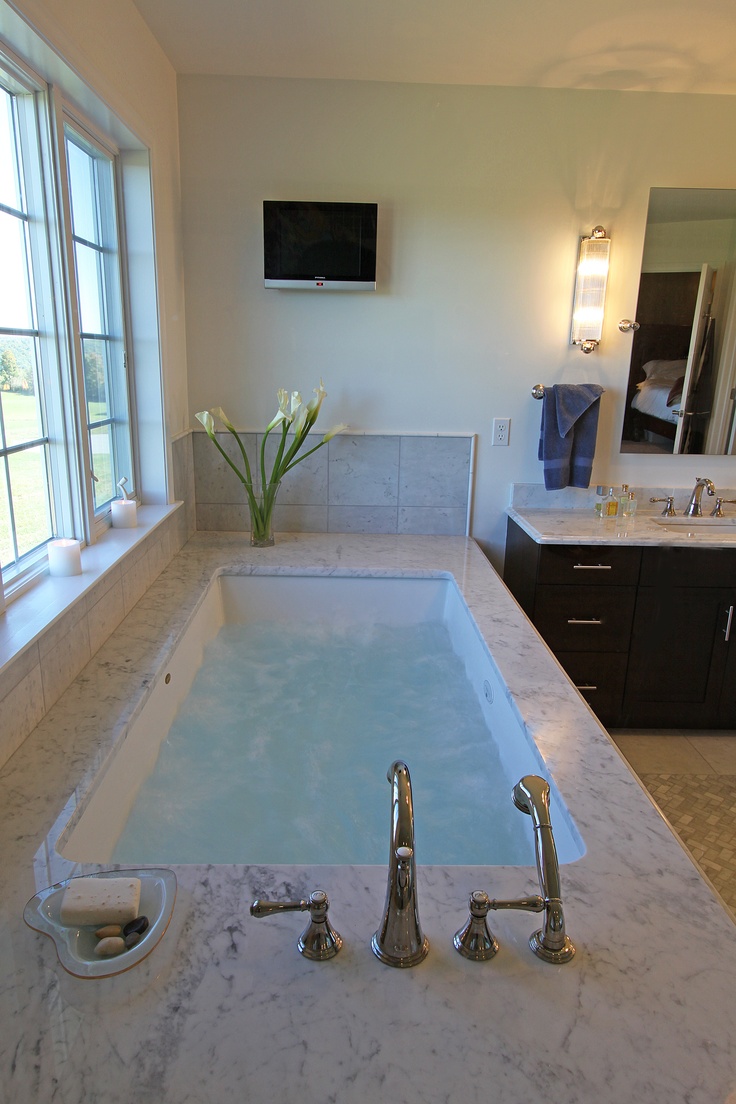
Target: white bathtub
x: 92, y: 833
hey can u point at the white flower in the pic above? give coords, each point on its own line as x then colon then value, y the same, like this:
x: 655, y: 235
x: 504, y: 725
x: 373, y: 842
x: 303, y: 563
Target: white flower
x: 334, y: 432
x: 218, y: 412
x: 207, y: 421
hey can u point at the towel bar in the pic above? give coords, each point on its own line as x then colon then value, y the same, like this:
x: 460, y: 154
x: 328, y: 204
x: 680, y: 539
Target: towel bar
x: 538, y: 391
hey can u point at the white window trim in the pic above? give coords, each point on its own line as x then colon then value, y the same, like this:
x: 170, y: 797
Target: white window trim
x: 137, y: 223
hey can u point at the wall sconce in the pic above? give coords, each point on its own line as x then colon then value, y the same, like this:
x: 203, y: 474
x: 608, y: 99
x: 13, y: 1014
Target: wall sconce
x: 590, y: 290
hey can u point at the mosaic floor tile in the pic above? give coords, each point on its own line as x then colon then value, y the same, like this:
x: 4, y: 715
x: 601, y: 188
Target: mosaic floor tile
x: 702, y: 810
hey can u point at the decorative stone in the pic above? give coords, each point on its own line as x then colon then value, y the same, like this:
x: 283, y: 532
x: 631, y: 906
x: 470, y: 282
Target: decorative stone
x: 131, y: 939
x: 137, y: 926
x: 109, y: 946
x: 108, y: 930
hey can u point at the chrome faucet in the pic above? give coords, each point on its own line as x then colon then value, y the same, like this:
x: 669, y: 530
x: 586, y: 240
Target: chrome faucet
x: 694, y: 508
x: 531, y: 795
x: 475, y: 940
x: 399, y: 940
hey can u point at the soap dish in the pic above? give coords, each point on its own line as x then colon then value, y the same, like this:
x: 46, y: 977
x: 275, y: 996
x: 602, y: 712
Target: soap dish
x: 75, y: 946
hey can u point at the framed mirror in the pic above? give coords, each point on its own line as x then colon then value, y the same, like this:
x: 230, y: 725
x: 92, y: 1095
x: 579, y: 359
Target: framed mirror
x: 682, y: 373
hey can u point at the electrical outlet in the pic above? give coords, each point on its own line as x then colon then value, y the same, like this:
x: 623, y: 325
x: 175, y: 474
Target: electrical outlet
x: 501, y: 427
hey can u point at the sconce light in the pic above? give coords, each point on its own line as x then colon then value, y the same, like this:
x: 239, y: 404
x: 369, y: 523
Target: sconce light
x: 590, y: 290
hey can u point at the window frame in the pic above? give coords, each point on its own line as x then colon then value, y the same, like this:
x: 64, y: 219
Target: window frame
x: 46, y: 112
x: 97, y: 518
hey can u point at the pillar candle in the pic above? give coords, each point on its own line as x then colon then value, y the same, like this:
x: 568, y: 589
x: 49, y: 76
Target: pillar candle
x: 124, y: 513
x: 65, y: 557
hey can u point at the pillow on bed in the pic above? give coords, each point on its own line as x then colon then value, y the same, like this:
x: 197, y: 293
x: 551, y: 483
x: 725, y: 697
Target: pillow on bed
x: 664, y: 369
x: 675, y: 391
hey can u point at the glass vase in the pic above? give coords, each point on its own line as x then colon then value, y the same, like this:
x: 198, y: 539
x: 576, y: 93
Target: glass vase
x: 261, y: 502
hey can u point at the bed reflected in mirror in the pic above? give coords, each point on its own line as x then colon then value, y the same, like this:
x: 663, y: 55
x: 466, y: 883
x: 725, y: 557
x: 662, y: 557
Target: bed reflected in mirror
x: 683, y: 358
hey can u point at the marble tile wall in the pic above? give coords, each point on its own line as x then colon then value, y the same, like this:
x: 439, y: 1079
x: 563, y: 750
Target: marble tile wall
x: 182, y: 455
x: 357, y: 483
x: 32, y: 683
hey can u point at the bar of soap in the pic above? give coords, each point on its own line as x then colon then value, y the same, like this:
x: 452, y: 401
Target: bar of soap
x: 100, y: 901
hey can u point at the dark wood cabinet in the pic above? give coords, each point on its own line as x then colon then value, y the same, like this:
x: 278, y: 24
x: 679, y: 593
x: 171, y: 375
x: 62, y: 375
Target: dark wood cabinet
x: 646, y: 634
x: 582, y: 600
x: 682, y: 662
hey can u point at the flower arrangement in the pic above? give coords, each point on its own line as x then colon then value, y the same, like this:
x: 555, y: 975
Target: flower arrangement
x: 293, y: 414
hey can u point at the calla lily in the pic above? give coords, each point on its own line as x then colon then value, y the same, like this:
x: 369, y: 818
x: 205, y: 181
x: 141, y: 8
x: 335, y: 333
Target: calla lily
x: 334, y: 432
x: 292, y: 414
x: 207, y: 421
x: 300, y: 419
x: 314, y: 404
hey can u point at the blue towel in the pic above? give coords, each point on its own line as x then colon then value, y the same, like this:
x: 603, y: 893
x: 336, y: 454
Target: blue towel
x: 568, y: 432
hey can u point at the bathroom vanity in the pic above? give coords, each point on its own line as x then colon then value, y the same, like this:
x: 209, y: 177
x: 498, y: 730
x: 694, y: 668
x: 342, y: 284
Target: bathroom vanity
x: 638, y: 612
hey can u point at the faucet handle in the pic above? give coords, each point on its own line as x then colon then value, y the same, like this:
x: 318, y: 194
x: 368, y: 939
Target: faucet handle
x: 319, y: 940
x: 669, y: 510
x: 475, y: 940
x: 717, y: 510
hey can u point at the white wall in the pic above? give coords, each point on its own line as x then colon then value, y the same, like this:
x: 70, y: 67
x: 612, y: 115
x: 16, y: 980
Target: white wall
x: 483, y: 193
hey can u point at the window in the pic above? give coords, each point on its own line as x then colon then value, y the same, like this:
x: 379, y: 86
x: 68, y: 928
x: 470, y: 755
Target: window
x: 99, y: 312
x: 66, y: 436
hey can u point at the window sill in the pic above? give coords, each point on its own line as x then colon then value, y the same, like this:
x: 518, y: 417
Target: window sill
x: 34, y: 611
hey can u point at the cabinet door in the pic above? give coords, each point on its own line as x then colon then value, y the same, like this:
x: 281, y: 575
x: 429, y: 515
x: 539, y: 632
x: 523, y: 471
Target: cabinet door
x: 678, y: 657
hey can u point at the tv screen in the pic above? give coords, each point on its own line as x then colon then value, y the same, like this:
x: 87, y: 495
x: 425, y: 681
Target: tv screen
x: 329, y: 246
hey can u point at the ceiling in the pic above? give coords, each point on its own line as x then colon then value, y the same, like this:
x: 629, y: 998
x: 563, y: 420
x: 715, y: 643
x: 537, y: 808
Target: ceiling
x: 635, y: 45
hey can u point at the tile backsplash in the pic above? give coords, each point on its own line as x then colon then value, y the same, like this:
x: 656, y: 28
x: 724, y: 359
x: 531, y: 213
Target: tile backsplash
x: 357, y: 483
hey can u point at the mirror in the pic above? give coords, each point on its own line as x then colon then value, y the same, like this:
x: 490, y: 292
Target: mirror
x: 682, y: 373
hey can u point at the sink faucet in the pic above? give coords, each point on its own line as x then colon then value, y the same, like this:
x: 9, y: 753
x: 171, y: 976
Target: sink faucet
x: 694, y: 508
x: 399, y: 940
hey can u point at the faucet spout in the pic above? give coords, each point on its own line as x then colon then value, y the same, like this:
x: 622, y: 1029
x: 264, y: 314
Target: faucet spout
x: 399, y: 940
x: 694, y: 507
x: 531, y: 795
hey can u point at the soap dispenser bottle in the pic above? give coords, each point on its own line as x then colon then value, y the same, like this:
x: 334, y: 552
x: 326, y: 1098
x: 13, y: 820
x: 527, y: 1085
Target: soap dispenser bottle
x: 611, y: 507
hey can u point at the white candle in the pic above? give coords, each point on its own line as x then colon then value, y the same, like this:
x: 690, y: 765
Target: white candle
x: 124, y: 514
x: 65, y: 557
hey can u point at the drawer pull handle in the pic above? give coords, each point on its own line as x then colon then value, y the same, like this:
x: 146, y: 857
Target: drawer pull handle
x: 584, y: 621
x: 592, y: 567
x: 584, y: 687
x: 727, y: 630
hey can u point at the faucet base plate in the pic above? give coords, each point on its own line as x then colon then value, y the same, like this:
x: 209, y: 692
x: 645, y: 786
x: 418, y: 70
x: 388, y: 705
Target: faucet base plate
x: 563, y: 955
x: 397, y: 959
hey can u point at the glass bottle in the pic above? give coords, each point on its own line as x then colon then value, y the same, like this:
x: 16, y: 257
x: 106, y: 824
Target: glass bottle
x: 629, y: 506
x: 611, y: 504
x: 601, y: 494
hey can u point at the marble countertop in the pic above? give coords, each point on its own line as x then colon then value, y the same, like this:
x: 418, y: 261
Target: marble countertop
x: 565, y: 526
x: 226, y: 1009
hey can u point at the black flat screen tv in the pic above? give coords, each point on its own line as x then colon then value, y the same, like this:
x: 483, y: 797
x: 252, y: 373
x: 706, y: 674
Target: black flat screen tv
x: 319, y: 246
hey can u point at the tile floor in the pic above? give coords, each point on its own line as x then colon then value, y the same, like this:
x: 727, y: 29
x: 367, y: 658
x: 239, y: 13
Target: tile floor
x: 691, y: 777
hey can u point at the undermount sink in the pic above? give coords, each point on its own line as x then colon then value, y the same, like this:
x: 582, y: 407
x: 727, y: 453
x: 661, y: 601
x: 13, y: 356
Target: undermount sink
x: 695, y: 522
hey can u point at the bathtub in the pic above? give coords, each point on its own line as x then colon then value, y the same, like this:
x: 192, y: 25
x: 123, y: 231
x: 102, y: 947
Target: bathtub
x: 340, y: 602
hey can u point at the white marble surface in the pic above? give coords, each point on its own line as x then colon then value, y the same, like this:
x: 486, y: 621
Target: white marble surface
x: 225, y: 1009
x: 565, y: 526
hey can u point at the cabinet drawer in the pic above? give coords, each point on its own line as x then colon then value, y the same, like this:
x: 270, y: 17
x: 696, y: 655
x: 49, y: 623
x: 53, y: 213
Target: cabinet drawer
x: 673, y: 566
x: 572, y: 618
x: 588, y: 564
x: 600, y: 677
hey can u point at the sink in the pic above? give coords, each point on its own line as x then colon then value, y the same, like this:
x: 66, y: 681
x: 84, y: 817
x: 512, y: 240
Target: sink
x: 696, y: 522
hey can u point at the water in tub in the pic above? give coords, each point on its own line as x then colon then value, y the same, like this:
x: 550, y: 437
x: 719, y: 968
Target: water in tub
x: 280, y: 752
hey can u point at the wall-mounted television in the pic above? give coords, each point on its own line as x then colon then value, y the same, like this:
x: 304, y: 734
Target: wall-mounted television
x: 319, y: 246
